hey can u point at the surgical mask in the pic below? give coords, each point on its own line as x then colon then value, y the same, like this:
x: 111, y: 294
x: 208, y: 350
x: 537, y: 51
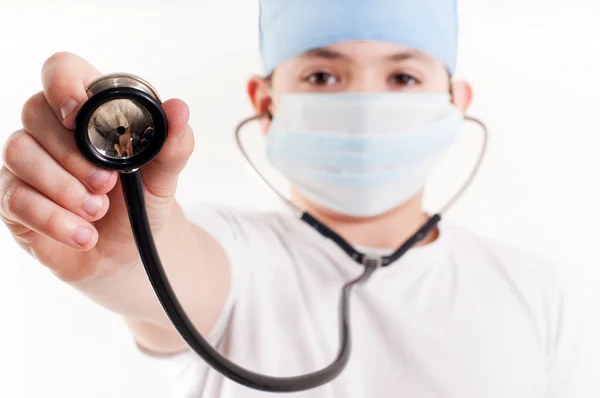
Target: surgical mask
x: 361, y: 154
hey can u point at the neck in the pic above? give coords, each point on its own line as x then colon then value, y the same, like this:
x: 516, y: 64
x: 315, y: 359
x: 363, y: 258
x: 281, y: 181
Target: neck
x: 385, y: 231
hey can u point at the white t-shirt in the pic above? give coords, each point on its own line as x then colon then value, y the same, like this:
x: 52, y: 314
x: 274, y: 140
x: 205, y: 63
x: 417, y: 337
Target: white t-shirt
x: 461, y: 317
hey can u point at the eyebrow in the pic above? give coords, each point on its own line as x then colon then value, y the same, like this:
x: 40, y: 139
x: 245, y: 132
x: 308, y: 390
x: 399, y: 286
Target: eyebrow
x: 406, y: 55
x: 326, y: 54
x: 400, y: 56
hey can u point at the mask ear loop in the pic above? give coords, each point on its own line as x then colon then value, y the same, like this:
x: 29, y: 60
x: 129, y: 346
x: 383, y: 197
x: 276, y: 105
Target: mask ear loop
x: 357, y: 256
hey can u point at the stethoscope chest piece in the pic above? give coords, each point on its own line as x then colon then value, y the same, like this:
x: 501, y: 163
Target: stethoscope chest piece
x: 122, y: 125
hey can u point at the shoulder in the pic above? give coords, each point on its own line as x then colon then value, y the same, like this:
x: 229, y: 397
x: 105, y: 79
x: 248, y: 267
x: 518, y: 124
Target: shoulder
x: 200, y: 212
x: 537, y: 284
x: 226, y: 223
x: 564, y: 317
x: 467, y: 243
x: 533, y: 277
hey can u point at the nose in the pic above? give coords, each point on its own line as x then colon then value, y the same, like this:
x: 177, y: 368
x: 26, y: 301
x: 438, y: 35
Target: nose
x: 367, y: 80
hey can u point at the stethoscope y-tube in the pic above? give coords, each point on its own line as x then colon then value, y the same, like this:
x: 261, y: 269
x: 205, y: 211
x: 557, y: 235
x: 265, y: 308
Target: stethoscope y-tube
x: 122, y: 127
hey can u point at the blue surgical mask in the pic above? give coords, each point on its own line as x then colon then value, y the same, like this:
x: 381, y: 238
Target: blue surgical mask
x: 361, y: 154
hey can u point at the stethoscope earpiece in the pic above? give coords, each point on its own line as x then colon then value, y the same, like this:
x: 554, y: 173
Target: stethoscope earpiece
x: 122, y: 125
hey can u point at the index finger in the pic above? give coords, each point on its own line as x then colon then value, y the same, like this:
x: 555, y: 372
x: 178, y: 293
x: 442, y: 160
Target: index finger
x: 65, y: 77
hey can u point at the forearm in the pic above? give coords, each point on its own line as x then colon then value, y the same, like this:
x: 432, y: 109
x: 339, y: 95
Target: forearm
x: 198, y: 272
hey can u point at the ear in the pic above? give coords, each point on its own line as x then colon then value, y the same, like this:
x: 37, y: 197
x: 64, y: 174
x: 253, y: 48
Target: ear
x: 258, y: 92
x: 462, y: 95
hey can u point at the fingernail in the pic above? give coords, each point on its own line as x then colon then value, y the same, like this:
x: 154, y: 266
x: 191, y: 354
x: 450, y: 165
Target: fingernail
x: 98, y: 178
x: 82, y: 235
x: 93, y: 204
x: 68, y: 108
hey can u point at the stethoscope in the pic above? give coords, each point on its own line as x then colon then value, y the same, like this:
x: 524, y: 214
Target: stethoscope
x: 136, y: 133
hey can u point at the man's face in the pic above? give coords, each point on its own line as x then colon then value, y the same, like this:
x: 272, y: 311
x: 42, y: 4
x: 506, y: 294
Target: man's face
x: 357, y: 66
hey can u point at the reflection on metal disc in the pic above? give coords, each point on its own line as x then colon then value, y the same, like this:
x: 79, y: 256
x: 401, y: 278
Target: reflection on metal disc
x: 120, y: 129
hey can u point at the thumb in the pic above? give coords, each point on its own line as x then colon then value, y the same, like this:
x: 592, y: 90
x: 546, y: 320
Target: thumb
x: 160, y: 176
x: 65, y: 77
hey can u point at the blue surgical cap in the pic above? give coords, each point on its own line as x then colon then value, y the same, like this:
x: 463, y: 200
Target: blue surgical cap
x: 289, y: 28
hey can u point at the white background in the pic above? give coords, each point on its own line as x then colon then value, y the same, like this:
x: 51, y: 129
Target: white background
x: 534, y: 66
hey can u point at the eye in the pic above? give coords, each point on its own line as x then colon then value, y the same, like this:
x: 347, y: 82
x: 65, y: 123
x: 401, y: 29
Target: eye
x: 322, y: 79
x: 403, y: 79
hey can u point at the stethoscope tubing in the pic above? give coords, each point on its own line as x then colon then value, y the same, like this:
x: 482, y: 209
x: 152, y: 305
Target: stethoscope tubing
x: 133, y: 191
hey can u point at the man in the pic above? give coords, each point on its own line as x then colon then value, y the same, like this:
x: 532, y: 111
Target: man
x: 363, y: 104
